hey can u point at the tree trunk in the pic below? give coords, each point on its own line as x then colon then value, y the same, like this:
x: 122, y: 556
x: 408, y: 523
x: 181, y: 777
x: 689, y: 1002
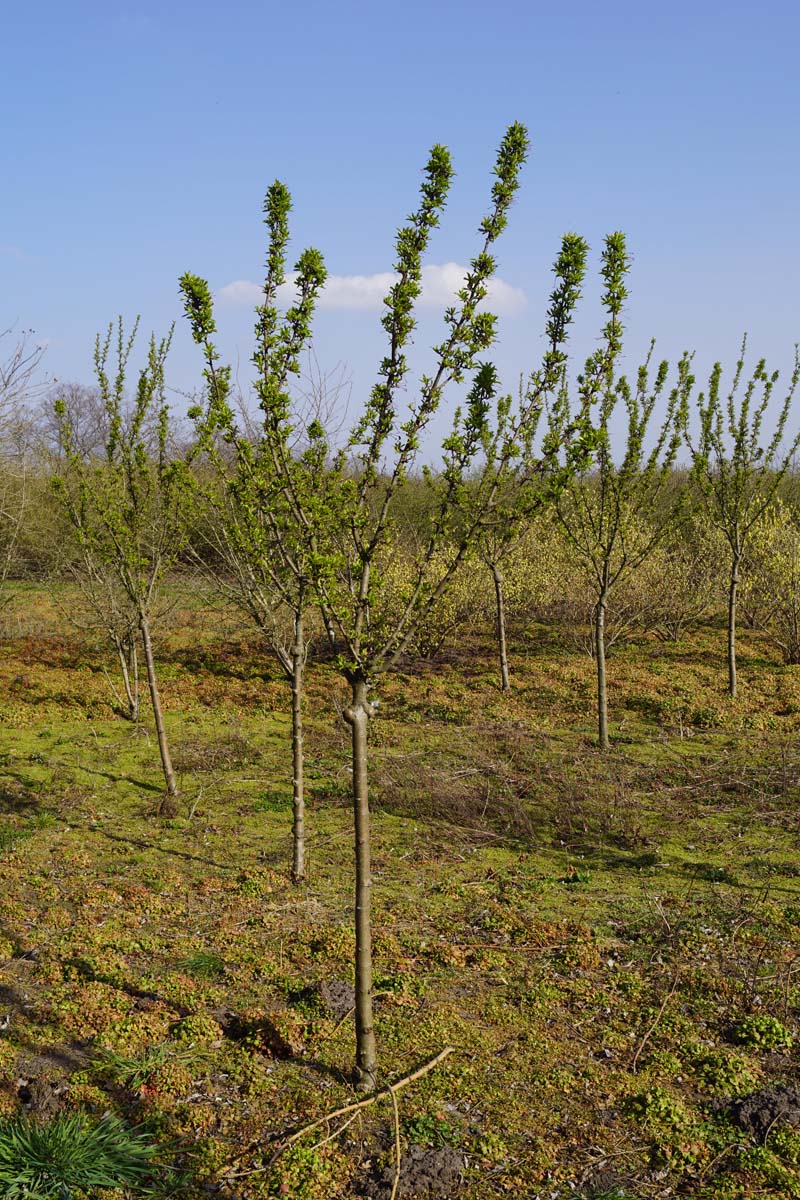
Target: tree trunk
x: 298, y: 798
x: 733, y: 590
x: 600, y: 657
x: 163, y: 747
x: 357, y: 717
x: 501, y: 627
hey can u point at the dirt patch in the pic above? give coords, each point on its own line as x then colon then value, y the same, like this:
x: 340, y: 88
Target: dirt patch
x: 603, y: 1183
x: 337, y: 997
x: 40, y: 1097
x: 424, y: 1175
x: 769, y: 1108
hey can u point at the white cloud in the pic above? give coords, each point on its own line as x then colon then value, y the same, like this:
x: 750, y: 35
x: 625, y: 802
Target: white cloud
x: 240, y: 292
x: 366, y: 292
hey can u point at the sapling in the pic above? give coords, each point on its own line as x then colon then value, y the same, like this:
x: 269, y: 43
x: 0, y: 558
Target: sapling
x: 332, y: 513
x: 616, y: 514
x: 736, y: 469
x: 526, y: 479
x: 128, y: 506
x: 266, y: 488
x: 20, y: 360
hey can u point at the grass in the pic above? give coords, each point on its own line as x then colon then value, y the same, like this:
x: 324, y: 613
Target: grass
x: 610, y: 942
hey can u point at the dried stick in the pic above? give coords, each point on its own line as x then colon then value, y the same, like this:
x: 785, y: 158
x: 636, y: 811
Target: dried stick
x: 397, y: 1146
x: 658, y: 1017
x: 381, y: 1094
x: 356, y: 1107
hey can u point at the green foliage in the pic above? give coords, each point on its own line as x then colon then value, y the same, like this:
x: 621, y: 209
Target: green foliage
x: 135, y: 1070
x: 351, y: 534
x: 724, y: 1073
x: 203, y: 964
x: 306, y: 1173
x: 128, y: 506
x: 431, y: 1129
x: 199, y: 1027
x: 50, y: 1162
x: 762, y: 1032
x: 735, y: 470
x: 771, y: 587
x: 615, y: 515
x: 786, y: 1144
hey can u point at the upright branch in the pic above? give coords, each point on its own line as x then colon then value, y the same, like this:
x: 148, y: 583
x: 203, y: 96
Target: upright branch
x: 350, y: 589
x: 736, y: 468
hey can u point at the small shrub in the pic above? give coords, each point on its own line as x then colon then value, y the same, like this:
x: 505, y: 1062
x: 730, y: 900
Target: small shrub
x: 763, y: 1032
x: 431, y: 1129
x: 197, y: 1028
x: 722, y: 1072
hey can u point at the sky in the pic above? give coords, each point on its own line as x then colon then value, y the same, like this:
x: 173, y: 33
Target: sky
x: 139, y: 141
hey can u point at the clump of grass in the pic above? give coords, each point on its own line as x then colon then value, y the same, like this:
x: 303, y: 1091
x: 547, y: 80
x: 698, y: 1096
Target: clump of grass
x: 49, y: 1162
x: 203, y: 964
x: 134, y: 1071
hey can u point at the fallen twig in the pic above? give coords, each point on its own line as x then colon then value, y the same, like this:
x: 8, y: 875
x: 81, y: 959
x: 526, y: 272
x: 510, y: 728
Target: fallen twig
x: 356, y: 1107
x: 397, y: 1146
x: 658, y: 1017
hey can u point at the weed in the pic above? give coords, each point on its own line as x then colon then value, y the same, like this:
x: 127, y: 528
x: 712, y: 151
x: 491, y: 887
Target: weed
x: 762, y: 1032
x: 47, y: 1162
x: 203, y: 964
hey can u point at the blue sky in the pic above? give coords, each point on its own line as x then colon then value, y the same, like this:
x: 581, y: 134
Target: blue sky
x: 139, y: 140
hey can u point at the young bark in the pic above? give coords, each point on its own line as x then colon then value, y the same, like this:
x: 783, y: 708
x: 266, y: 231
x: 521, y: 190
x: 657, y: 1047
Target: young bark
x: 357, y: 716
x: 501, y: 627
x: 600, y: 657
x: 733, y: 590
x: 298, y: 797
x: 163, y: 746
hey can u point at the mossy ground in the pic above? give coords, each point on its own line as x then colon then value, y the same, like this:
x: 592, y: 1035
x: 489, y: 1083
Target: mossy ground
x: 610, y: 942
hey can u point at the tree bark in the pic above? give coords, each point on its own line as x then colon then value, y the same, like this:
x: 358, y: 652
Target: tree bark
x: 357, y: 716
x: 733, y: 590
x: 600, y: 657
x: 501, y: 627
x: 298, y: 796
x: 163, y: 746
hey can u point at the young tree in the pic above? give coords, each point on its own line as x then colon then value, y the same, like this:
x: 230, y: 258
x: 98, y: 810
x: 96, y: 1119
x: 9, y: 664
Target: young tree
x: 736, y: 473
x: 772, y: 577
x: 128, y: 506
x: 339, y: 507
x: 613, y: 515
x: 527, y: 482
x: 20, y: 360
x: 266, y: 505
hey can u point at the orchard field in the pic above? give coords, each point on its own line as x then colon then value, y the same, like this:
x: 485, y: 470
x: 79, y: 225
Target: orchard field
x: 608, y: 941
x: 397, y: 809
